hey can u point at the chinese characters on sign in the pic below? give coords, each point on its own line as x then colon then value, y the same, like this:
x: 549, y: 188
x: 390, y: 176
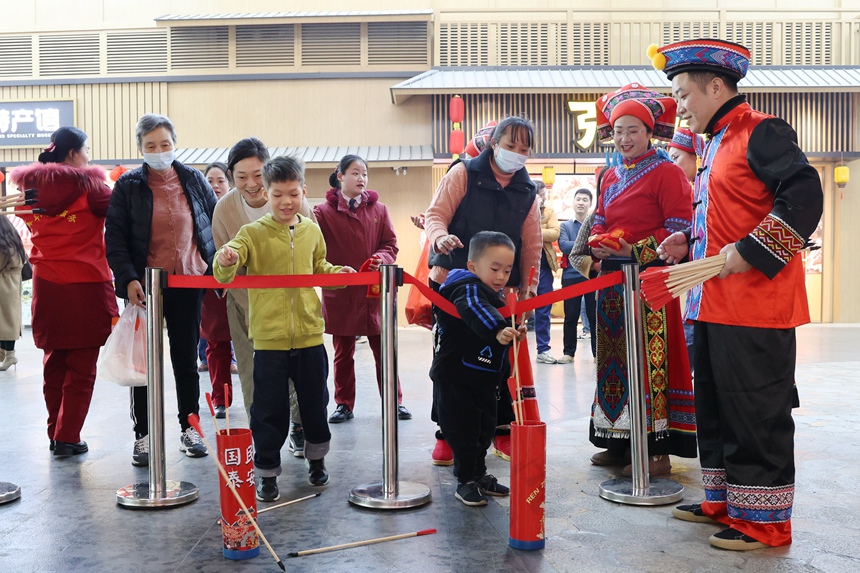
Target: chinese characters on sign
x: 585, y: 114
x: 31, y: 123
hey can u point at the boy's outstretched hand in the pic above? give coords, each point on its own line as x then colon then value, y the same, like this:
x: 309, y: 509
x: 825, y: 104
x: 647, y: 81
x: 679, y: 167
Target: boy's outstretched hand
x: 227, y: 257
x: 346, y: 270
x: 509, y: 333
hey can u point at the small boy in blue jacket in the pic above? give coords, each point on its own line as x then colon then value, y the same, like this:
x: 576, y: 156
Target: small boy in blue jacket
x: 470, y: 361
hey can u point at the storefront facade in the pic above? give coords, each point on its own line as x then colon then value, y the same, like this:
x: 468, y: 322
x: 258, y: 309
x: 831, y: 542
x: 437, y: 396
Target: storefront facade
x: 323, y: 84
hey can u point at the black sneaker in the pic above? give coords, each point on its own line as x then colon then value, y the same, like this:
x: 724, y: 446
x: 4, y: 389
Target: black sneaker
x: 470, y: 494
x: 220, y: 412
x: 403, y: 413
x: 692, y: 512
x: 734, y: 540
x: 317, y: 475
x: 491, y: 486
x: 140, y: 454
x: 192, y: 444
x: 66, y: 449
x: 296, y: 442
x: 341, y: 414
x: 267, y: 489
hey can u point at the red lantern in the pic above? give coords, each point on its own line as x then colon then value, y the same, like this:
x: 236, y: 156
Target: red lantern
x: 117, y: 172
x: 2, y: 177
x: 456, y: 109
x: 457, y: 141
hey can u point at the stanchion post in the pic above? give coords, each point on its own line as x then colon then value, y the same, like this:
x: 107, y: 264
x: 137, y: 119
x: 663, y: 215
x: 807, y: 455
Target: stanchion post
x: 391, y: 493
x: 158, y: 492
x: 638, y: 490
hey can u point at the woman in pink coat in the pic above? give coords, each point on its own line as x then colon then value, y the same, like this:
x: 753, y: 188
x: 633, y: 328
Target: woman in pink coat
x: 357, y: 228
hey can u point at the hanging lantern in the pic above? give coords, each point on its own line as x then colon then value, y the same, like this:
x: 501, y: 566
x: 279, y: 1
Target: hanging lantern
x: 117, y: 172
x: 457, y: 141
x: 456, y: 109
x: 548, y: 175
x: 2, y: 177
x: 840, y: 175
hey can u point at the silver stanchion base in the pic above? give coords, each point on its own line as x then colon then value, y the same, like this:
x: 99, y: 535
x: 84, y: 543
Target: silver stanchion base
x: 661, y: 492
x: 9, y: 492
x: 408, y: 495
x: 137, y: 495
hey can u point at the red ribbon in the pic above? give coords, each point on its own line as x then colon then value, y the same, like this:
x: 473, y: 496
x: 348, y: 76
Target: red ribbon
x: 277, y: 281
x: 374, y: 278
x: 571, y: 291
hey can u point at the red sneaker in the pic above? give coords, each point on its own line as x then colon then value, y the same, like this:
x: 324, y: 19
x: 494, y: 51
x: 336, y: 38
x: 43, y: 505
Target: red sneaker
x: 442, y: 454
x: 502, y: 447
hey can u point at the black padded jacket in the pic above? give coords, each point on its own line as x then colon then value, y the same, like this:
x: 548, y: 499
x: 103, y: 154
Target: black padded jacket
x: 129, y: 222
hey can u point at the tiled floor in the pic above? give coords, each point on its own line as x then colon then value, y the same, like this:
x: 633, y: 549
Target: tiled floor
x: 67, y: 519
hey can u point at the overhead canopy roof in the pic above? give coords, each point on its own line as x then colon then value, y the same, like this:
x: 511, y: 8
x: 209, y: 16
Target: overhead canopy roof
x: 377, y: 156
x: 590, y: 79
x: 294, y: 17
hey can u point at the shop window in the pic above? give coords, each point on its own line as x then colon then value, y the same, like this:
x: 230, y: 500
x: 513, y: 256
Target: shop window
x: 69, y: 55
x: 16, y: 56
x: 331, y: 44
x: 397, y: 44
x: 136, y: 52
x: 199, y: 47
x: 259, y: 46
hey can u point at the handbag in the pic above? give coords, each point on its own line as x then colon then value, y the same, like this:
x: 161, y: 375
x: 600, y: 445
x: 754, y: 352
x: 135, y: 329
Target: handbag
x: 27, y: 269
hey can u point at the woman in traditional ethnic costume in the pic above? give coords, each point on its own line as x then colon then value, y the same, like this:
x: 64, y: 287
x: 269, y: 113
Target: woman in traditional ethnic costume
x: 648, y: 197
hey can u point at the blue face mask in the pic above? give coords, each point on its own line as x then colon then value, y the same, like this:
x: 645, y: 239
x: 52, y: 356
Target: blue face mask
x: 508, y: 161
x: 159, y: 161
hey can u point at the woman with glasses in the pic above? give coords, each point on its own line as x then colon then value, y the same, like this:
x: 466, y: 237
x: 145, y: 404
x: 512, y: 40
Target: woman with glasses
x: 643, y: 200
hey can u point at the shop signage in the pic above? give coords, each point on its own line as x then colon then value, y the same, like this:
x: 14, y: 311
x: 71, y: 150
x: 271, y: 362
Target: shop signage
x: 585, y: 113
x: 31, y: 123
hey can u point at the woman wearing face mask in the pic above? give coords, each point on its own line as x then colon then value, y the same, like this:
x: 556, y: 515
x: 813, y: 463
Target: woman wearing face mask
x: 73, y: 301
x: 492, y: 192
x: 648, y: 197
x: 160, y: 216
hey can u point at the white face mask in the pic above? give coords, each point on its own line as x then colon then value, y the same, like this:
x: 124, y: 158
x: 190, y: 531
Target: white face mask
x: 159, y: 161
x: 508, y: 161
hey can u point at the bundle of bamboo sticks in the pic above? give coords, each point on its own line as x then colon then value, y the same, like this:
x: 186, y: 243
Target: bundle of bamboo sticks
x: 662, y: 284
x: 27, y: 197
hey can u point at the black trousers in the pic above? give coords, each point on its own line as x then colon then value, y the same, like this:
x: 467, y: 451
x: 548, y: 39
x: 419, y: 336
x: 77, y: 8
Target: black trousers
x: 744, y: 394
x: 572, y: 308
x: 270, y: 412
x: 182, y: 314
x: 467, y: 416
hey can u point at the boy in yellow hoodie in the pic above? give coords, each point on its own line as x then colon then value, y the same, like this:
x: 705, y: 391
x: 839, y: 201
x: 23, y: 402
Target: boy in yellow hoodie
x: 286, y: 325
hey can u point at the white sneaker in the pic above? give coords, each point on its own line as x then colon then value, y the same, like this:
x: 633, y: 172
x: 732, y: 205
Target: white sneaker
x: 565, y: 359
x: 192, y: 444
x: 140, y: 454
x: 546, y: 358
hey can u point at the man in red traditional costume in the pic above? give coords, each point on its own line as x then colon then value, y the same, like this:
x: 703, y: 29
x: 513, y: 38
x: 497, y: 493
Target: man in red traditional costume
x: 757, y: 200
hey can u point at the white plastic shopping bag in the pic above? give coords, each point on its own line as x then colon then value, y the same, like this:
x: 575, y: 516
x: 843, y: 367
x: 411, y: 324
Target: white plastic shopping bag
x: 123, y: 357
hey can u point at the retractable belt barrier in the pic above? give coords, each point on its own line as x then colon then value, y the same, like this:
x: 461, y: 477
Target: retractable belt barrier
x: 392, y: 494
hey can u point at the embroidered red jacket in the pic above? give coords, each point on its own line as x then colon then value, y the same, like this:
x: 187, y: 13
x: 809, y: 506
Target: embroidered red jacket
x: 755, y: 189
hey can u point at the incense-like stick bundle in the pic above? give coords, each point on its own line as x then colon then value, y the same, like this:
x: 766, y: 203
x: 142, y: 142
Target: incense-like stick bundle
x: 662, y: 284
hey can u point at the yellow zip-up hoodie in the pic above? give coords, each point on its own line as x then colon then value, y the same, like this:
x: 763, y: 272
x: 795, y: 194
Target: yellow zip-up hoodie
x: 281, y: 318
